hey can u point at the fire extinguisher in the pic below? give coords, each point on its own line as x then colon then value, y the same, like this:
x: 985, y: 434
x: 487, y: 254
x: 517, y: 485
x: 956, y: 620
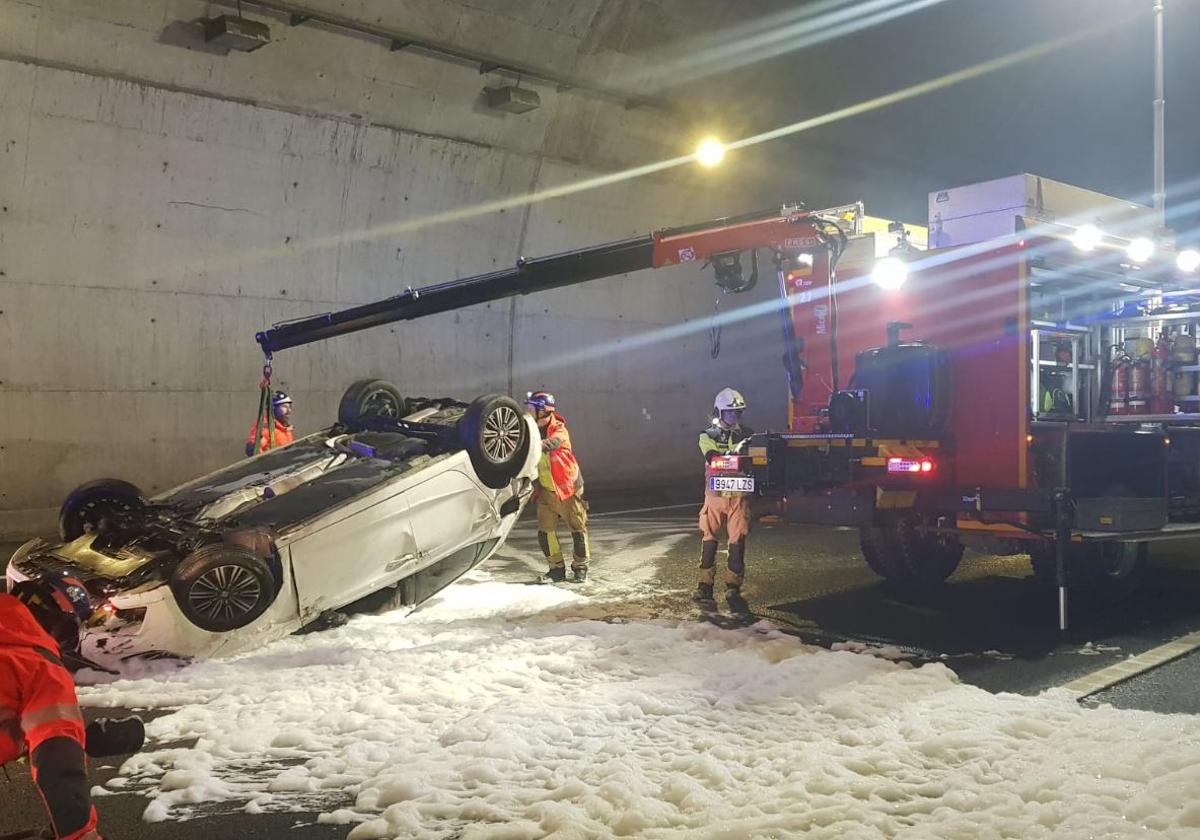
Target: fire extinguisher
x: 1138, y: 390
x: 1118, y: 394
x: 1161, y: 395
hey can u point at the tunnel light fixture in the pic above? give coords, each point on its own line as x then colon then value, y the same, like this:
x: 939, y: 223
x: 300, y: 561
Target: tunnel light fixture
x: 710, y: 152
x: 234, y: 32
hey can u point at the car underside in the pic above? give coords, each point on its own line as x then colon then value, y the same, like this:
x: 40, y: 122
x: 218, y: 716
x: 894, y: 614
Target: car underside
x: 271, y: 543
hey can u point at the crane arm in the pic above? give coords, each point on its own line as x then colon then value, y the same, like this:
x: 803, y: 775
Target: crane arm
x: 719, y: 242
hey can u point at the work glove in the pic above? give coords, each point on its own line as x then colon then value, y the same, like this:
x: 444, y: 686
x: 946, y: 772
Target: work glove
x: 249, y: 450
x: 109, y: 736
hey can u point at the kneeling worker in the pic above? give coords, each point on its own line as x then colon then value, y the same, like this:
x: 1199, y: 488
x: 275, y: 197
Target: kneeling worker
x: 730, y: 511
x: 559, y: 493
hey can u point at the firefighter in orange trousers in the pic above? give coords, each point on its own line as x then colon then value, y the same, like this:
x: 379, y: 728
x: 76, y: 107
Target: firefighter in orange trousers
x: 39, y: 713
x: 727, y: 510
x: 281, y: 415
x: 559, y: 493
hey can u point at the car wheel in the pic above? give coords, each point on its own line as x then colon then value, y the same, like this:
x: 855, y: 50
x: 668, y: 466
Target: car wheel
x: 90, y: 504
x: 221, y: 587
x: 370, y: 398
x: 496, y: 436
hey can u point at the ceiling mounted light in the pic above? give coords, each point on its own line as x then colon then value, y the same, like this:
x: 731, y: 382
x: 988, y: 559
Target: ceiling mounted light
x: 236, y: 33
x: 513, y: 99
x: 710, y: 152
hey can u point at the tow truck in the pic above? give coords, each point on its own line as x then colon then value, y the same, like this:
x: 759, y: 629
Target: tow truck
x: 982, y: 392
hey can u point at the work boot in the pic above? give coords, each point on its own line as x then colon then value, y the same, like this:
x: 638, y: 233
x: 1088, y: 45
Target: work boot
x: 733, y: 597
x: 580, y: 574
x: 557, y: 574
x: 704, y: 593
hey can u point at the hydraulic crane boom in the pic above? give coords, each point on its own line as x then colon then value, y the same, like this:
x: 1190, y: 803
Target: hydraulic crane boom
x: 721, y: 242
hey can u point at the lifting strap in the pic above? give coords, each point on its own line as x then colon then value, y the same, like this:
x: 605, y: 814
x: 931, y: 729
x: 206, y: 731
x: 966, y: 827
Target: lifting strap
x: 265, y: 414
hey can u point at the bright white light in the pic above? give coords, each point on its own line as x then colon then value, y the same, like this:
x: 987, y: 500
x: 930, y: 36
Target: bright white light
x: 889, y: 273
x: 1087, y: 237
x: 805, y: 259
x: 1188, y: 260
x: 710, y: 152
x: 1140, y: 250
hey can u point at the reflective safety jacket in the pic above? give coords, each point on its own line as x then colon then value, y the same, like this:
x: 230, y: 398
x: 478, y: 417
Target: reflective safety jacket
x: 717, y: 440
x: 284, y: 434
x: 39, y: 716
x: 558, y: 471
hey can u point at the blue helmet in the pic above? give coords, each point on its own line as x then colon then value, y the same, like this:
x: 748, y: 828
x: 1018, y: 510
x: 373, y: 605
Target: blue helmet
x: 540, y: 401
x: 280, y: 398
x: 53, y: 599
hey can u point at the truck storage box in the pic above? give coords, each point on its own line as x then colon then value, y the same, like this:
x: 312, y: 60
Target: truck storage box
x: 987, y: 210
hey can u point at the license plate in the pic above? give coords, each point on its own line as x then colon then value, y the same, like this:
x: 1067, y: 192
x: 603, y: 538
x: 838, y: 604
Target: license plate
x: 731, y: 483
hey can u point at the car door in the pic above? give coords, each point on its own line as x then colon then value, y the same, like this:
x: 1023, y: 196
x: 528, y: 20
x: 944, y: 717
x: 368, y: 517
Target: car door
x: 353, y: 552
x: 450, y: 510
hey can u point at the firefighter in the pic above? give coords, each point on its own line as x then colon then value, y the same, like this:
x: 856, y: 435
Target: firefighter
x: 281, y: 411
x: 559, y: 493
x: 39, y: 713
x: 730, y: 511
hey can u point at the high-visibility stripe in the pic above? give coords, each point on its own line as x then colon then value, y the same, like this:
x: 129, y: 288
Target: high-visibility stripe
x: 50, y: 714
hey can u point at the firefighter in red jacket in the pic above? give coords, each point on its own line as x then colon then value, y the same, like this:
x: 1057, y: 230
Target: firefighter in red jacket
x: 727, y: 510
x: 283, y: 433
x: 39, y: 713
x: 559, y: 492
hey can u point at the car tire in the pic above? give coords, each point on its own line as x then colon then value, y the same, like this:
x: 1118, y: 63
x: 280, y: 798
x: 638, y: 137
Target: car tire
x: 496, y: 436
x: 89, y: 503
x: 370, y: 398
x: 220, y: 587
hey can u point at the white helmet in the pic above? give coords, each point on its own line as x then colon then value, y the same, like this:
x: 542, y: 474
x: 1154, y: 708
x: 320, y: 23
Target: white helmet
x: 729, y: 400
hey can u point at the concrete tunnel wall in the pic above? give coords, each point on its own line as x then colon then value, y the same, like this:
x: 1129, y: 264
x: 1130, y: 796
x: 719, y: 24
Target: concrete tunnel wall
x: 161, y: 204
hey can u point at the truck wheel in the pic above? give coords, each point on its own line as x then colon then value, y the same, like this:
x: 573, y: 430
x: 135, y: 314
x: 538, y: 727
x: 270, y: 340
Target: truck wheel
x: 870, y: 540
x: 909, y: 557
x: 90, y: 504
x: 220, y: 587
x: 1106, y: 569
x: 496, y: 436
x: 370, y: 398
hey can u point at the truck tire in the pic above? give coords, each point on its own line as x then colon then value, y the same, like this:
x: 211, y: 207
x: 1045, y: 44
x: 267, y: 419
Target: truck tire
x: 496, y: 436
x: 89, y: 504
x: 220, y: 587
x: 908, y: 557
x: 870, y: 540
x: 1108, y: 569
x: 370, y: 398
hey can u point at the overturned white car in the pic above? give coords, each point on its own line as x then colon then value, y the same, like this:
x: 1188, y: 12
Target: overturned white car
x: 400, y: 494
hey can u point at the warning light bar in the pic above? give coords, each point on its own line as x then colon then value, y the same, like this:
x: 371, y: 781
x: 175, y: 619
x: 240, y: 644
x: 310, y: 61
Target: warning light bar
x: 731, y: 463
x: 910, y: 465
